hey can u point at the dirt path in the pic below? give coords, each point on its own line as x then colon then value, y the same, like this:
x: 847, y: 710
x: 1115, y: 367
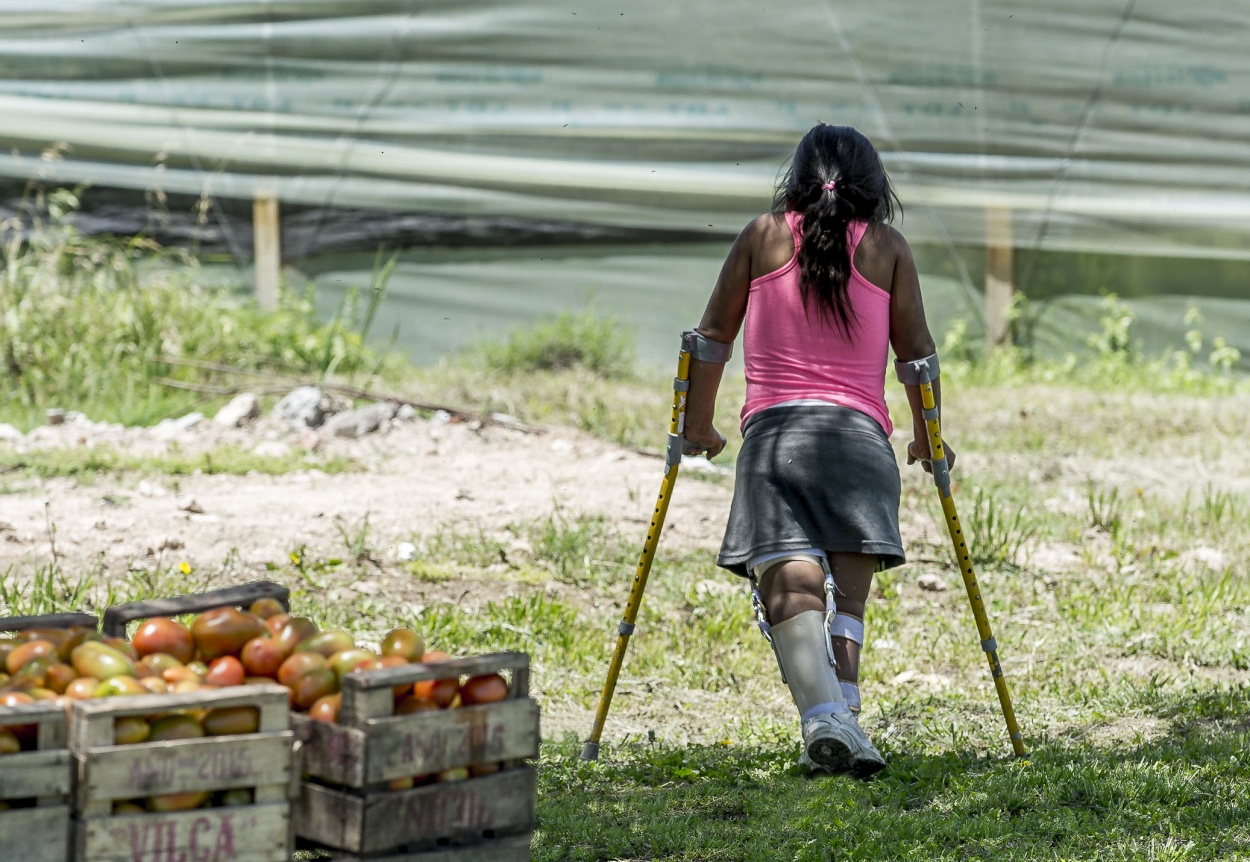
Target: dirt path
x: 418, y: 478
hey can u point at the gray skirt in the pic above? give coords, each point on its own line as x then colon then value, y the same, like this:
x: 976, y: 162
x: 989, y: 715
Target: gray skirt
x: 813, y: 476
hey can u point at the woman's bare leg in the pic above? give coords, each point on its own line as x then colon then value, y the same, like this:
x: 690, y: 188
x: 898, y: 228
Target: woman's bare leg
x: 792, y: 587
x: 852, y: 578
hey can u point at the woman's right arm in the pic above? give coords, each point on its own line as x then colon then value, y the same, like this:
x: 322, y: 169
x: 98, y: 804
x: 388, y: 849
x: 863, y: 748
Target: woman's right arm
x: 722, y: 318
x: 911, y: 339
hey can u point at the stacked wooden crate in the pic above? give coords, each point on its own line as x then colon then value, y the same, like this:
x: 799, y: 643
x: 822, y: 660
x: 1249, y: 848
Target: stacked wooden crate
x: 260, y: 765
x: 356, y: 797
x: 444, y: 785
x: 178, y: 770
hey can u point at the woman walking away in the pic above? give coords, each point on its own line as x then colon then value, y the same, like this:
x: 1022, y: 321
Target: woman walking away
x: 824, y: 286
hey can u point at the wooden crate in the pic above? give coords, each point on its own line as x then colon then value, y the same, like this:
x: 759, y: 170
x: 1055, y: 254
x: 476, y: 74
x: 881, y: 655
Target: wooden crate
x: 513, y: 849
x: 262, y: 761
x: 344, y: 803
x: 49, y: 621
x: 39, y: 782
x: 118, y: 617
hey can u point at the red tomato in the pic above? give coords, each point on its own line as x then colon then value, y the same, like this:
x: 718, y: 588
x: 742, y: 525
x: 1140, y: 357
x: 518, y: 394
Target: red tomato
x: 489, y: 688
x: 163, y: 635
x: 410, y: 704
x: 262, y: 656
x: 224, y: 671
x: 439, y: 691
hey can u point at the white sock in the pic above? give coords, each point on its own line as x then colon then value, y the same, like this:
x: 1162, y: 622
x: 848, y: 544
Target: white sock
x: 850, y: 691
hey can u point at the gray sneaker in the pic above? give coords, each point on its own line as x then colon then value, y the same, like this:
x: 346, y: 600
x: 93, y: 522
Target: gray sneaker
x: 834, y: 742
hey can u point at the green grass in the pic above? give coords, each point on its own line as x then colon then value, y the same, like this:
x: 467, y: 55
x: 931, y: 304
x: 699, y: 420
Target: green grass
x: 1175, y: 798
x: 85, y: 464
x: 586, y: 340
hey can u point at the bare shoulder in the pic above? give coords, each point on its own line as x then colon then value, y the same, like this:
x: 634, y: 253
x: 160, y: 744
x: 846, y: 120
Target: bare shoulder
x: 768, y: 240
x: 764, y: 227
x: 888, y: 241
x: 878, y: 254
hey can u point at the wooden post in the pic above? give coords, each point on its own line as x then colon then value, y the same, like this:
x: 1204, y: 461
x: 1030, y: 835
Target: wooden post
x: 267, y: 250
x: 999, y: 276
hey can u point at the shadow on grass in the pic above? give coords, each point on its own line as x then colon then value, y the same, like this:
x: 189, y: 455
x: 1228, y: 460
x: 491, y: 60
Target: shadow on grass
x: 1180, y: 795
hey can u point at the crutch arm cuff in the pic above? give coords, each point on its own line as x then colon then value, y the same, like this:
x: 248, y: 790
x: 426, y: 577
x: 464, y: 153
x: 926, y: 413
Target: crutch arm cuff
x: 704, y: 349
x: 915, y: 372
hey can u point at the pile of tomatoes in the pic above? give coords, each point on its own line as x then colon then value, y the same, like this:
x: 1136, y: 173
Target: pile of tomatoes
x: 222, y: 647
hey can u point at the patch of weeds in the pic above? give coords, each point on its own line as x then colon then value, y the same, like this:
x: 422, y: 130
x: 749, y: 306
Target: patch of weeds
x: 477, y: 550
x: 1216, y: 506
x: 539, y: 625
x: 163, y: 581
x: 48, y: 591
x: 587, y: 339
x: 87, y: 322
x: 1103, y: 506
x: 309, y: 567
x: 51, y: 589
x: 653, y: 800
x: 996, y: 537
x: 358, y: 541
x: 576, y: 550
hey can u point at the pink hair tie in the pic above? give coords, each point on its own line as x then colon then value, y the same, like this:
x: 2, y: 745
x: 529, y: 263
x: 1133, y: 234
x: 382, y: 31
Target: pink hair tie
x: 830, y: 186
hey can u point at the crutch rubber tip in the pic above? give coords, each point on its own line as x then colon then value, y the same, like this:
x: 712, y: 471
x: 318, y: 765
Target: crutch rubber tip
x: 590, y: 751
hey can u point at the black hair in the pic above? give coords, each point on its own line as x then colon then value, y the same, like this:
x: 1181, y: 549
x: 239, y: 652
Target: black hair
x: 842, y: 156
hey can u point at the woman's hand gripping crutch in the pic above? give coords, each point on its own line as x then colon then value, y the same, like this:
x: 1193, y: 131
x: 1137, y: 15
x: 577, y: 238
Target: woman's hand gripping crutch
x: 693, y: 345
x: 922, y: 373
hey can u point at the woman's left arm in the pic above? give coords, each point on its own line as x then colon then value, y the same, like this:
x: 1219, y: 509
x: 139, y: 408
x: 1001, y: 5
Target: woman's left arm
x: 721, y: 321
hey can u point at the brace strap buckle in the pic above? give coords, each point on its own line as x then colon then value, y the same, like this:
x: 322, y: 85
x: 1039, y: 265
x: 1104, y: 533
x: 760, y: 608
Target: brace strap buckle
x: 831, y: 611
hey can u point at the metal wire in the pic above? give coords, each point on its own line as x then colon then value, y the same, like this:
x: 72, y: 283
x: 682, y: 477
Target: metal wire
x: 236, y: 249
x: 361, y: 117
x: 973, y: 295
x: 1065, y: 163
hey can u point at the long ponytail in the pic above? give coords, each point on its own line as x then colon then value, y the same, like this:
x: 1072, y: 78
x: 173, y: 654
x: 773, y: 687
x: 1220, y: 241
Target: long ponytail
x: 836, y: 178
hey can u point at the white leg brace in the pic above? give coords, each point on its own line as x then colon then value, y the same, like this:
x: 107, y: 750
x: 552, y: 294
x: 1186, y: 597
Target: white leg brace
x: 799, y: 643
x: 759, y: 565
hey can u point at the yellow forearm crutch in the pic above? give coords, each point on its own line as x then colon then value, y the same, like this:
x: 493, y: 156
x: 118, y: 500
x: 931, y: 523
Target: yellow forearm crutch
x: 922, y: 372
x: 672, y: 463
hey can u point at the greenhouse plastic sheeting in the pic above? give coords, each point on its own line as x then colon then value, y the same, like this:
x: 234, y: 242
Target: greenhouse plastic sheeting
x: 1120, y: 126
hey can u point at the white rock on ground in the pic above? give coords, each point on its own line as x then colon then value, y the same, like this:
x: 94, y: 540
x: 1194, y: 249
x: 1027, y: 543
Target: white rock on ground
x: 301, y: 408
x: 174, y: 427
x: 8, y: 432
x: 361, y: 421
x: 242, y: 409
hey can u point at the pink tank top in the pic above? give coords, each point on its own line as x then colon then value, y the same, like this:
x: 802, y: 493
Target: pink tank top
x: 790, y: 355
